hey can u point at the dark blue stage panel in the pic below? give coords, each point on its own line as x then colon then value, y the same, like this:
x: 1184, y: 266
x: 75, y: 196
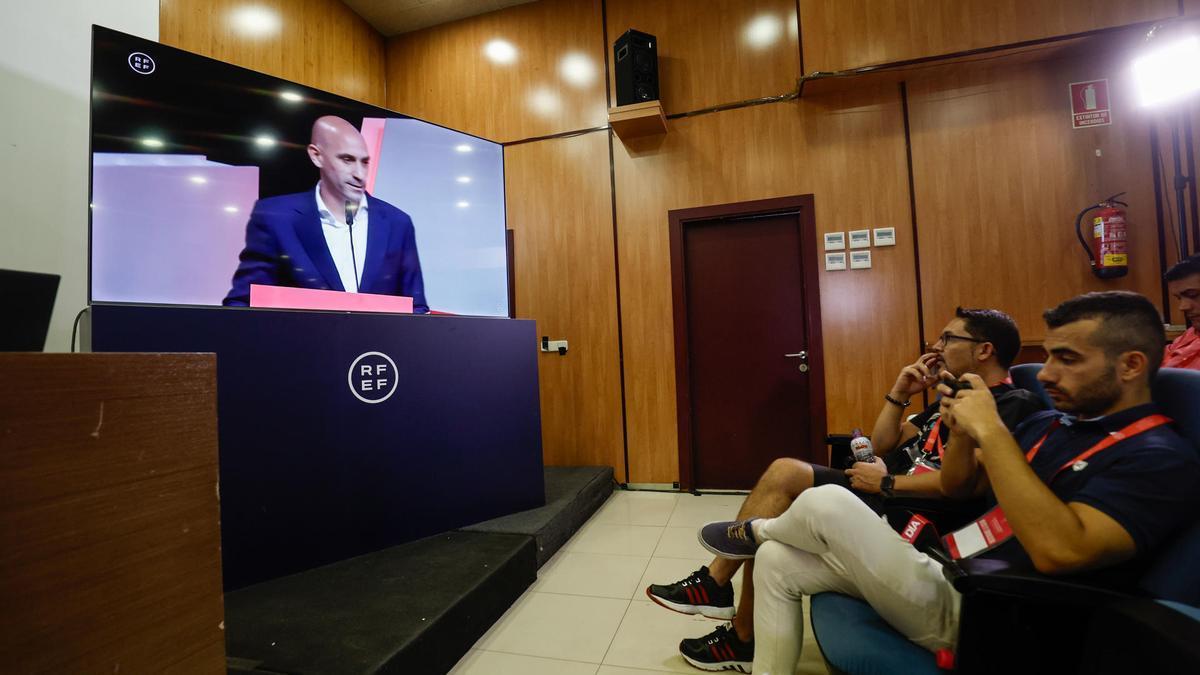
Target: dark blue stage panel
x: 347, y: 433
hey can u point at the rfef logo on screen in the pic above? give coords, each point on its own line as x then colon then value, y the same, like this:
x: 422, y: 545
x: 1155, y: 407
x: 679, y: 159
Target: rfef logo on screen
x: 373, y: 377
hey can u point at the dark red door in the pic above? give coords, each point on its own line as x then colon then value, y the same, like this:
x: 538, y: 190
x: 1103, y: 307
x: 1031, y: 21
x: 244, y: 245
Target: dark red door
x: 749, y: 357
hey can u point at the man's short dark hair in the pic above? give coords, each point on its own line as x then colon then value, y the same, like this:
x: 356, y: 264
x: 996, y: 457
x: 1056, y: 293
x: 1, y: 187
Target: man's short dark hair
x: 1184, y: 268
x: 997, y: 328
x: 1128, y: 322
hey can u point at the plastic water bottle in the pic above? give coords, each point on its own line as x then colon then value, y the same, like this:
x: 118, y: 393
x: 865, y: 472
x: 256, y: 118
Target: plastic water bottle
x: 861, y: 448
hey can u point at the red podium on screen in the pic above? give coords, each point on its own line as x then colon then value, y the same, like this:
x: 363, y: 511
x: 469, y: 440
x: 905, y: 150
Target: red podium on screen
x: 283, y: 297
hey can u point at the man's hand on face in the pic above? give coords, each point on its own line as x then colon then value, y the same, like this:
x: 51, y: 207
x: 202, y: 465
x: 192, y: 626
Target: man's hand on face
x: 916, y: 377
x: 970, y: 411
x: 866, y: 476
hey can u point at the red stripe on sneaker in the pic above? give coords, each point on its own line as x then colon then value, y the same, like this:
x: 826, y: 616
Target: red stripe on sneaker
x: 732, y: 656
x: 703, y: 594
x: 712, y: 649
x: 691, y: 595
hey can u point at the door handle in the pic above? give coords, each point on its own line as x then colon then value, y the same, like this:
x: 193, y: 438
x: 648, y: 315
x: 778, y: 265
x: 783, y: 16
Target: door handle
x: 803, y: 356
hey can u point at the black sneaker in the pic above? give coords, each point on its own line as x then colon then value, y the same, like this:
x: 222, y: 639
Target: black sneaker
x: 697, y: 593
x: 721, y: 649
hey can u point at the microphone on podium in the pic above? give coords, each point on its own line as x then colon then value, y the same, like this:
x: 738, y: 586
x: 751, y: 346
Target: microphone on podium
x: 351, y: 209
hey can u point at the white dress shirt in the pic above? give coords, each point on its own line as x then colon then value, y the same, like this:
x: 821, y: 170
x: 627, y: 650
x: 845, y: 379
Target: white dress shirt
x: 337, y: 238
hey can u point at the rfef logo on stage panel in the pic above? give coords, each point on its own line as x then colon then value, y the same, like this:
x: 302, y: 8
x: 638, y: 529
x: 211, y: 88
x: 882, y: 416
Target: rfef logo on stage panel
x: 141, y: 63
x: 373, y: 377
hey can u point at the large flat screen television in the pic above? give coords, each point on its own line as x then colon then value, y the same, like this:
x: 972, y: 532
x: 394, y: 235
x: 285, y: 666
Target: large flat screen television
x: 207, y: 178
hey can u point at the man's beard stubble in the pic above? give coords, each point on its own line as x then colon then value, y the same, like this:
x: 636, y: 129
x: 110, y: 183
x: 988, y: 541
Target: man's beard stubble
x: 1095, y: 397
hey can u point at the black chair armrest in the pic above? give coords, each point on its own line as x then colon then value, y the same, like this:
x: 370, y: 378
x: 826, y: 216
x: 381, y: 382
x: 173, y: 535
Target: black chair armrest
x: 995, y: 577
x: 839, y: 449
x: 1043, y: 619
x: 1144, y: 636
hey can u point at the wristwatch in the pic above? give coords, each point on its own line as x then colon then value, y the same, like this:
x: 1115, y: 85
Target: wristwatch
x: 887, y: 485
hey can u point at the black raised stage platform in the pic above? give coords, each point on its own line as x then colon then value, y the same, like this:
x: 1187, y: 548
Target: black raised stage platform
x: 345, y: 433
x: 415, y: 608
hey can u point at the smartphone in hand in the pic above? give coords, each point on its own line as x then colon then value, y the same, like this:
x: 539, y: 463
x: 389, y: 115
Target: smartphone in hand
x: 956, y: 385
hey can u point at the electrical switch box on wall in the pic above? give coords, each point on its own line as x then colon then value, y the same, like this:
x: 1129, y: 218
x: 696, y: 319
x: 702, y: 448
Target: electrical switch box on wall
x: 549, y: 345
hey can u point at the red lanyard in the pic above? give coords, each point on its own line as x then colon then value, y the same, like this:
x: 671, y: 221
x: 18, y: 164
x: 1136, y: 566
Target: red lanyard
x: 934, y: 439
x: 1144, y: 424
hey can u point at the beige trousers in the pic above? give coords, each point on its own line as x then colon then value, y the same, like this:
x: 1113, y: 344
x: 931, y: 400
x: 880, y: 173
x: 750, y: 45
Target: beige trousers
x: 828, y: 540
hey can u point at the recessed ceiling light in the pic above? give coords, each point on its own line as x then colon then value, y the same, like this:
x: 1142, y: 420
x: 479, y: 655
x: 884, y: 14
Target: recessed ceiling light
x: 152, y: 143
x: 231, y: 209
x: 291, y: 96
x: 463, y: 204
x: 198, y: 180
x: 462, y: 147
x: 464, y: 179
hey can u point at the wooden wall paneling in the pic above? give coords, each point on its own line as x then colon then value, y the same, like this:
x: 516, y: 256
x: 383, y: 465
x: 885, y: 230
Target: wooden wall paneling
x: 559, y: 201
x: 845, y: 149
x: 112, y: 557
x: 1031, y: 353
x: 319, y: 43
x: 722, y: 52
x: 555, y: 84
x: 843, y: 34
x: 1000, y: 176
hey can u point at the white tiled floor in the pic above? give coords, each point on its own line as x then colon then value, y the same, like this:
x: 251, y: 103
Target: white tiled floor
x: 588, y: 613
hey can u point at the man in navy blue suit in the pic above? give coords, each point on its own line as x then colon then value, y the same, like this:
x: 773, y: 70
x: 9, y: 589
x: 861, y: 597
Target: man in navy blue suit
x: 335, y: 237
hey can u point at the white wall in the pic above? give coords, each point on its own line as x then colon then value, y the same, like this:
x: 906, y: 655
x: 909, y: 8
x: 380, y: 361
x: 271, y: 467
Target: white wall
x: 45, y: 71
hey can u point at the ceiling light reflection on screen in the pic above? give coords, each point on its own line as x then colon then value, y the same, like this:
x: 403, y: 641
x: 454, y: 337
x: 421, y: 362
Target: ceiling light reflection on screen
x: 462, y: 147
x: 464, y: 179
x: 291, y: 96
x: 264, y: 141
x: 152, y: 143
x: 763, y: 31
x: 255, y: 21
x: 231, y: 209
x: 198, y: 180
x: 500, y: 51
x: 577, y: 69
x: 463, y: 205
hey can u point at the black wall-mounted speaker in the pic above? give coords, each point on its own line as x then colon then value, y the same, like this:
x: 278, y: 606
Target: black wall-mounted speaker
x: 635, y: 59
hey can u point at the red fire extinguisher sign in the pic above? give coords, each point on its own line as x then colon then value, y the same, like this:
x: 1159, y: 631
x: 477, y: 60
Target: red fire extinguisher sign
x: 1089, y: 104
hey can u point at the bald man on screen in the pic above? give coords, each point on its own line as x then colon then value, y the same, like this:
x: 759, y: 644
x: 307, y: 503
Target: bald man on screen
x: 334, y: 237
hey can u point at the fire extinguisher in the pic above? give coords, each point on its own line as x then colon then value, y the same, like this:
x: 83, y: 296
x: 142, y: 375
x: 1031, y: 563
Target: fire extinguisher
x: 1109, y: 248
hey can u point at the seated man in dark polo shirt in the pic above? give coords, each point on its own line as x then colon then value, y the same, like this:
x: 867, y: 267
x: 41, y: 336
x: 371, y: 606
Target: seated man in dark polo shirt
x: 979, y: 341
x: 1090, y: 492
